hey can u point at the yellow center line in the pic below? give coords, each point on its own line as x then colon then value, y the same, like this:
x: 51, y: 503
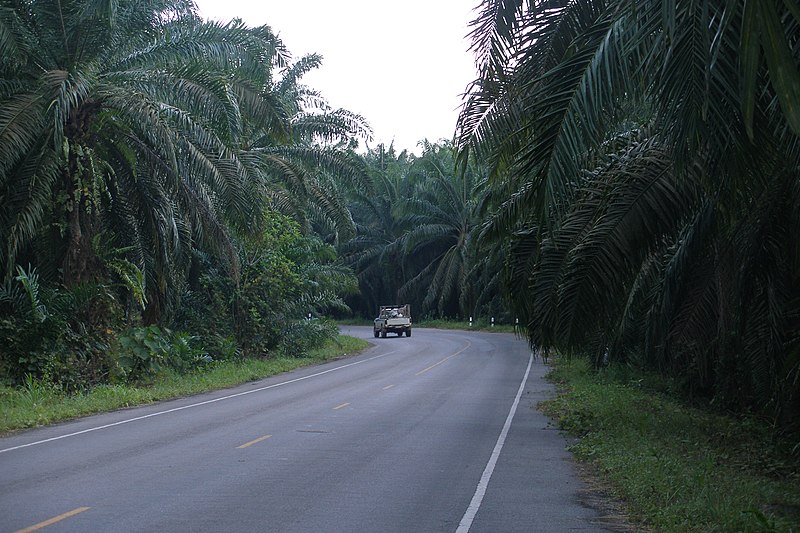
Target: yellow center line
x: 340, y: 406
x: 254, y: 441
x: 53, y: 520
x: 387, y: 387
x: 443, y: 360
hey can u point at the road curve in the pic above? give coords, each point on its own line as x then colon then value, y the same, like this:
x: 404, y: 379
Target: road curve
x: 436, y: 432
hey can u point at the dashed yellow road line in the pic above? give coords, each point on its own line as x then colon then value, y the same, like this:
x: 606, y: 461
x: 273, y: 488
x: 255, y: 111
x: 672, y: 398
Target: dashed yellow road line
x: 53, y: 520
x: 254, y: 441
x: 340, y: 406
x: 443, y: 360
x: 387, y: 387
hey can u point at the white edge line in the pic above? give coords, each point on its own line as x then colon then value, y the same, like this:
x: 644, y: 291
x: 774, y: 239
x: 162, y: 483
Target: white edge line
x: 198, y: 404
x: 480, y: 492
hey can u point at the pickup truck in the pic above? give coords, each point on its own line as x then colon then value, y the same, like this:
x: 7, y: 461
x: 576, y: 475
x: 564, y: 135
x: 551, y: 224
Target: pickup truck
x: 393, y: 318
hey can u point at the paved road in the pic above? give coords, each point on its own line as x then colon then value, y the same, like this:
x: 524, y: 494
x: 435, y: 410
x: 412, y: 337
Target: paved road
x: 436, y: 432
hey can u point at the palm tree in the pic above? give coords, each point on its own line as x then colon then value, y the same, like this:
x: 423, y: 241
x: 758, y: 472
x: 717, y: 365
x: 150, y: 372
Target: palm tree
x: 374, y: 252
x: 440, y: 243
x: 117, y: 122
x: 649, y: 156
x: 309, y: 167
x: 157, y: 133
x: 417, y: 236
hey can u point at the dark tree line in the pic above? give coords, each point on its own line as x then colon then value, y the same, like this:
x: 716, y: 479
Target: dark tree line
x: 418, y: 236
x: 649, y: 160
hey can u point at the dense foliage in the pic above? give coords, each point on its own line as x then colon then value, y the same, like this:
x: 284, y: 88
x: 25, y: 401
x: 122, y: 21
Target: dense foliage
x: 417, y: 236
x: 625, y: 174
x: 649, y: 160
x: 146, y: 156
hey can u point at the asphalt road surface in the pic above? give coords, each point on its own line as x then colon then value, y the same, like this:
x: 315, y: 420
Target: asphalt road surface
x: 436, y: 432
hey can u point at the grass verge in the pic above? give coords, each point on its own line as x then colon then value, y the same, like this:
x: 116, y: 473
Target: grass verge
x: 677, y: 468
x: 38, y: 403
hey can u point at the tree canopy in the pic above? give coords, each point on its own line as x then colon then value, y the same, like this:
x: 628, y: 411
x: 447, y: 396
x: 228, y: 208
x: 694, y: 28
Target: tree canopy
x: 417, y: 235
x: 647, y: 155
x: 142, y: 148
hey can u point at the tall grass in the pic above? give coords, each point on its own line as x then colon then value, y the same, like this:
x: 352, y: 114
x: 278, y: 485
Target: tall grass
x: 677, y: 467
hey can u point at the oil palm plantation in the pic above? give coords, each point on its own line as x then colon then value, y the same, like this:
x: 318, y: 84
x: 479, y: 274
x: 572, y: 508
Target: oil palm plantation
x: 117, y: 123
x: 648, y: 156
x: 137, y: 129
x: 309, y: 171
x: 440, y: 245
x: 374, y: 252
x: 141, y: 150
x: 417, y: 236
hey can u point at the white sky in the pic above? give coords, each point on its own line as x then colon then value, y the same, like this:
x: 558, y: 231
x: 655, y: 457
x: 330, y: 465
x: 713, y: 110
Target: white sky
x: 402, y: 65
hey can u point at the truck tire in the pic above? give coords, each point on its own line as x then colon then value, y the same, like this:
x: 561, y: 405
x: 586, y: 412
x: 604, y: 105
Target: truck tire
x: 383, y: 333
x: 408, y: 332
x: 376, y: 332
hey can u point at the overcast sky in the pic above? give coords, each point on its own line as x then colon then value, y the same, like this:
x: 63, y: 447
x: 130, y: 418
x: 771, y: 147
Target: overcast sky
x: 403, y: 65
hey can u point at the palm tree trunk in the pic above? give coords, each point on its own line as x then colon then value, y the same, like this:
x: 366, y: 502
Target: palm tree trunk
x: 80, y: 263
x: 75, y: 262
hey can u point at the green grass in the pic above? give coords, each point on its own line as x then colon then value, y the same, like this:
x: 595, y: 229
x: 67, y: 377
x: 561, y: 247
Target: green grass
x: 38, y: 403
x: 677, y: 468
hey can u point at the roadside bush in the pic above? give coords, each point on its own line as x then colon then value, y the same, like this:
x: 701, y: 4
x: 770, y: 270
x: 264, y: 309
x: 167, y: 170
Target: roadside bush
x: 57, y: 335
x: 302, y: 336
x: 222, y: 348
x: 284, y: 276
x: 28, y: 327
x: 185, y: 354
x: 141, y: 352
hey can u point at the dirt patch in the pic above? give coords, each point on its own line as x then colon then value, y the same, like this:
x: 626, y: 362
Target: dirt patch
x: 613, y: 513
